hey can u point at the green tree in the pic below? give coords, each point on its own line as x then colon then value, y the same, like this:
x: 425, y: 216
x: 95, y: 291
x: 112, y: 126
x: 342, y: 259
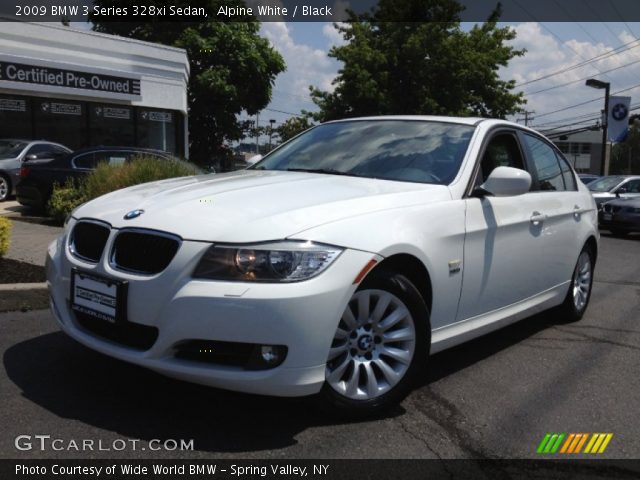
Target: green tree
x: 625, y: 155
x: 292, y: 127
x: 233, y: 69
x: 412, y: 57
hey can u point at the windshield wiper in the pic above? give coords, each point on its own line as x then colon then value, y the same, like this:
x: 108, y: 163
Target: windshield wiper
x: 328, y: 171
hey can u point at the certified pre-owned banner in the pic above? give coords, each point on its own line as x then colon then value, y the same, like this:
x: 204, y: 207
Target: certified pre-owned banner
x: 57, y: 77
x: 618, y: 119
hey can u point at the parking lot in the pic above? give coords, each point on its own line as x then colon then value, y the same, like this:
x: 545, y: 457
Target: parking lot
x: 494, y: 397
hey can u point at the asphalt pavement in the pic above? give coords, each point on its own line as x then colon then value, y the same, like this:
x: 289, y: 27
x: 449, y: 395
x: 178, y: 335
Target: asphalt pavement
x: 494, y: 397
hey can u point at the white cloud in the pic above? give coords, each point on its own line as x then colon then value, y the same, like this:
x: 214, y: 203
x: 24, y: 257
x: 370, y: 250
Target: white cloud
x: 305, y: 66
x: 333, y: 35
x: 546, y: 54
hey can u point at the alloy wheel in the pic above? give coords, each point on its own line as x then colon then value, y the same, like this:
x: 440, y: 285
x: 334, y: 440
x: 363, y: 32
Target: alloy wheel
x: 373, y: 346
x: 4, y: 188
x: 582, y: 281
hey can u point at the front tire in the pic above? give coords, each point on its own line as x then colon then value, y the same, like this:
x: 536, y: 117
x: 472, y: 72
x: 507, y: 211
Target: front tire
x: 579, y: 294
x: 380, y: 347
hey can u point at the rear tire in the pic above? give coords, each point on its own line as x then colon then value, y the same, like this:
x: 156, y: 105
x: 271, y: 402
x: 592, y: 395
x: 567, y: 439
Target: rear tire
x: 5, y: 187
x: 381, y: 346
x: 579, y: 294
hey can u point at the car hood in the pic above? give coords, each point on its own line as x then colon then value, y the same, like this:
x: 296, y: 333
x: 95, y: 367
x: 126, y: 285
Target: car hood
x: 625, y: 202
x: 253, y: 205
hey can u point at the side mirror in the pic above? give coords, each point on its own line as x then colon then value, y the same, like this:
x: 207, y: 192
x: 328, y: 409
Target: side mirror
x: 506, y: 182
x: 31, y: 156
x: 254, y: 159
x: 621, y: 190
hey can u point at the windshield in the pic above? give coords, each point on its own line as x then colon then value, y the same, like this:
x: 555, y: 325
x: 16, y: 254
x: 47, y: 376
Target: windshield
x: 605, y: 184
x: 403, y: 150
x: 11, y: 148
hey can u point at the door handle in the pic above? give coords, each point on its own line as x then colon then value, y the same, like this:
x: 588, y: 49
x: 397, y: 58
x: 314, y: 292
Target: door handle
x: 577, y: 210
x: 537, y: 218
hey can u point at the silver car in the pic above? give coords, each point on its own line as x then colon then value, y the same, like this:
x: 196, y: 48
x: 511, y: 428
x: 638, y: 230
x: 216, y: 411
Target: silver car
x: 610, y: 187
x: 15, y: 151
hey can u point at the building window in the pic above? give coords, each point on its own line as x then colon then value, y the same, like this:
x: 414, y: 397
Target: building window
x: 62, y: 121
x: 15, y: 117
x: 111, y: 125
x: 157, y: 129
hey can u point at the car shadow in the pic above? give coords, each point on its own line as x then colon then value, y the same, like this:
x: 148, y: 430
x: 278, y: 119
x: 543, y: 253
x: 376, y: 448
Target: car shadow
x: 74, y: 382
x: 454, y: 359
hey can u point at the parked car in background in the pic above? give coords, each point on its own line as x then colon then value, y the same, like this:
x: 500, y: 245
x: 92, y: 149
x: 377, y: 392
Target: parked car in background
x: 620, y: 216
x: 37, y: 179
x: 335, y: 265
x: 587, y: 178
x: 612, y: 186
x: 13, y: 152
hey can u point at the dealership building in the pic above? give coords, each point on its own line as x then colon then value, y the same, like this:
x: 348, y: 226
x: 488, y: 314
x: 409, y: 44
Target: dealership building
x: 82, y: 88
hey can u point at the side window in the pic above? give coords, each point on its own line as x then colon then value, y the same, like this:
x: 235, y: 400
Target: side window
x: 567, y: 173
x: 546, y: 164
x: 59, y: 151
x: 632, y: 186
x: 502, y: 151
x: 112, y: 157
x: 86, y: 161
x: 41, y: 151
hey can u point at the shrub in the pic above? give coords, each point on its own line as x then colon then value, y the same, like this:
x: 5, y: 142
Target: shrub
x: 5, y: 235
x: 65, y: 198
x: 107, y: 178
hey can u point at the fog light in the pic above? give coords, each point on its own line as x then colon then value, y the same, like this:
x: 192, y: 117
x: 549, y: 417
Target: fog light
x: 267, y: 356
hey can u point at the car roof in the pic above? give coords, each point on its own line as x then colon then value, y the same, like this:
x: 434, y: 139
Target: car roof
x: 27, y: 140
x: 103, y: 148
x: 471, y: 121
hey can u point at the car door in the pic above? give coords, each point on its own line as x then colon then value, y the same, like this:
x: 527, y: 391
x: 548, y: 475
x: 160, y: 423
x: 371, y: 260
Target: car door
x: 562, y: 206
x: 503, y: 243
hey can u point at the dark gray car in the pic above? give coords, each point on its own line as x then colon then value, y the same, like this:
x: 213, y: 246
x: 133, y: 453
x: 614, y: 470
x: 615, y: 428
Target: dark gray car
x: 620, y: 216
x: 15, y: 151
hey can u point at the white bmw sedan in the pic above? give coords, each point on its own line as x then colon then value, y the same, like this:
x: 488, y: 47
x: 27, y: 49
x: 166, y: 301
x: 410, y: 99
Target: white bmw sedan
x: 336, y: 264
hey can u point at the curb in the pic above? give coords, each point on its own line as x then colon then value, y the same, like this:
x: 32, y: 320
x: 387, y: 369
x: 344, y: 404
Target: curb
x: 23, y: 297
x: 48, y: 221
x: 12, y: 287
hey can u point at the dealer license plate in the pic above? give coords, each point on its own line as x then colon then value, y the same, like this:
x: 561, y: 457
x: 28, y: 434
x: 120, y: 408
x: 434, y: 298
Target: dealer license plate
x: 97, y: 296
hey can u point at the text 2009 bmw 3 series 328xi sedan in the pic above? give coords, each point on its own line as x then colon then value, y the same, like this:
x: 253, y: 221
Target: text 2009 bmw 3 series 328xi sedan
x: 336, y: 264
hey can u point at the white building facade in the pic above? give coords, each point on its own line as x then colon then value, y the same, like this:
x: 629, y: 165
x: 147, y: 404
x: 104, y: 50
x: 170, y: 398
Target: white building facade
x: 82, y: 88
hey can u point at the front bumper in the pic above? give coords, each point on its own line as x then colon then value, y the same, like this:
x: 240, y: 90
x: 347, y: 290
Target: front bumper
x: 302, y: 316
x: 622, y: 221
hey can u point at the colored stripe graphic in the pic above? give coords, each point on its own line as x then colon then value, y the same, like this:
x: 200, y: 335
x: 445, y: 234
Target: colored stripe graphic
x: 550, y: 443
x: 574, y: 442
x: 598, y: 442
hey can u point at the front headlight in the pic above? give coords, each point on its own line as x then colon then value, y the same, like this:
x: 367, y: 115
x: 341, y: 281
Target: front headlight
x: 288, y: 261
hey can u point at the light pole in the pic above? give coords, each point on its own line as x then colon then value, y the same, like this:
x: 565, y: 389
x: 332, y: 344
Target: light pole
x: 593, y: 83
x: 271, y: 122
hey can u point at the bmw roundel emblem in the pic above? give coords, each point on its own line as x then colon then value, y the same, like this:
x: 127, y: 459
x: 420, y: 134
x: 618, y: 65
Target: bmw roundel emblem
x: 619, y: 111
x: 133, y: 214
